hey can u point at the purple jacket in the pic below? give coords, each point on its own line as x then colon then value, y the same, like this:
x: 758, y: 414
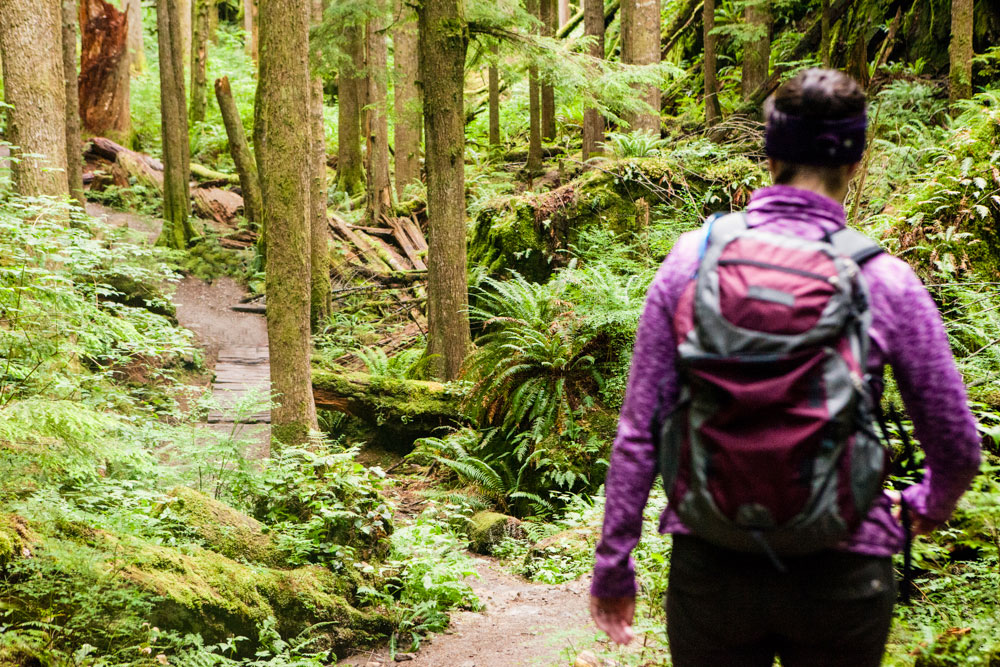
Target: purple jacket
x: 906, y: 333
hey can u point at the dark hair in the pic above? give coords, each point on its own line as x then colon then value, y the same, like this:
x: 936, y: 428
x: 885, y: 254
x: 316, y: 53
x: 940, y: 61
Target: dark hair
x: 817, y: 94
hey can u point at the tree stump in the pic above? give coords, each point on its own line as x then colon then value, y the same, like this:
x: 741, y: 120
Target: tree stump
x: 104, y: 70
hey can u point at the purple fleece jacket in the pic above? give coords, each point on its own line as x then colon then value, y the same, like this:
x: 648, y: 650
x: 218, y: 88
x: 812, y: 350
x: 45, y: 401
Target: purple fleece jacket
x: 906, y: 333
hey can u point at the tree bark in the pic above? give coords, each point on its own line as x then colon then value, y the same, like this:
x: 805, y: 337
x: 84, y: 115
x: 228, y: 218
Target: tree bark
x: 104, y: 71
x: 74, y: 144
x: 713, y: 111
x: 282, y: 122
x: 494, y: 101
x: 593, y: 121
x: 757, y: 50
x: 184, y: 10
x: 199, y: 58
x: 376, y: 117
x: 563, y: 13
x: 246, y: 166
x: 824, y: 42
x: 960, y: 50
x: 136, y: 51
x: 534, y: 164
x: 177, y: 231
x: 547, y: 15
x: 250, y: 28
x: 409, y: 115
x: 350, y: 170
x: 319, y: 227
x: 643, y: 48
x: 444, y: 38
x: 35, y: 89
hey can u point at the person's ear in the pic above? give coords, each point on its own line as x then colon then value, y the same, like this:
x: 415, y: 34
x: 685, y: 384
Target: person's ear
x: 772, y: 166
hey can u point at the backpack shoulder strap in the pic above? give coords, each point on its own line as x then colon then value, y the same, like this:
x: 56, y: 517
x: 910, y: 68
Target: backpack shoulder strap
x: 852, y: 243
x: 719, y: 225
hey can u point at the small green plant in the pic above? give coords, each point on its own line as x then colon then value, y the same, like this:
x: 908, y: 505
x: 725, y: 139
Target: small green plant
x: 642, y: 143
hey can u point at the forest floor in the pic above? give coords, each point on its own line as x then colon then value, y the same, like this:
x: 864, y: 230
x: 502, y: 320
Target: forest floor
x: 521, y: 622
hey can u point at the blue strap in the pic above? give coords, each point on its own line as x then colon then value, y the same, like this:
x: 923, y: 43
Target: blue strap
x: 708, y: 226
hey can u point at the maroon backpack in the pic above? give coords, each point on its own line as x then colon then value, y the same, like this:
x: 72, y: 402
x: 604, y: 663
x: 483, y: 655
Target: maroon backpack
x: 769, y: 447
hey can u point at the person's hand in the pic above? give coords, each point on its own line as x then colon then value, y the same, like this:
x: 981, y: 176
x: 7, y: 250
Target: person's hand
x: 918, y: 524
x: 614, y: 616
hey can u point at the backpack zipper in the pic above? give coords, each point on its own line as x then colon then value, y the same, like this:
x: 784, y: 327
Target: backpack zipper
x: 774, y: 267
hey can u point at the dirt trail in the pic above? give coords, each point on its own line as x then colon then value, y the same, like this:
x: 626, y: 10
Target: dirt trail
x: 522, y: 623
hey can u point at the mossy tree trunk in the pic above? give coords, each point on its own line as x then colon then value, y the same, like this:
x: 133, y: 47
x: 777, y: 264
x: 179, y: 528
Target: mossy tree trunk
x: 960, y: 50
x: 757, y: 49
x: 534, y: 110
x: 547, y: 15
x: 177, y: 231
x: 136, y: 51
x: 104, y: 71
x: 74, y: 144
x: 444, y: 38
x: 282, y: 133
x: 494, y: 100
x: 250, y: 28
x: 593, y: 121
x: 713, y: 112
x: 350, y: 169
x: 376, y: 121
x: 319, y: 230
x: 35, y: 89
x: 243, y: 158
x: 199, y: 57
x: 825, y: 36
x: 409, y: 114
x: 641, y: 46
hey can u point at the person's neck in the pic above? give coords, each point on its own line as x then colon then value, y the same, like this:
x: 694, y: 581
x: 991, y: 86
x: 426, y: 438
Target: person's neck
x: 819, y: 186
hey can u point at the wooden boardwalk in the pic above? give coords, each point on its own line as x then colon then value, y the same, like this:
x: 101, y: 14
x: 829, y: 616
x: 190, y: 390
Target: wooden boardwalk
x: 242, y: 378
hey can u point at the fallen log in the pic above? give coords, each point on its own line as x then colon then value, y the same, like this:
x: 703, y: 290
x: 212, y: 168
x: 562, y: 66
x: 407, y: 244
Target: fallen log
x: 398, y: 411
x: 392, y: 278
x: 131, y: 169
x: 217, y: 204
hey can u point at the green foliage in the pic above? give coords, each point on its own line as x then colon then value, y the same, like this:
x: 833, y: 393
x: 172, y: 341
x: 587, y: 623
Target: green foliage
x: 635, y: 144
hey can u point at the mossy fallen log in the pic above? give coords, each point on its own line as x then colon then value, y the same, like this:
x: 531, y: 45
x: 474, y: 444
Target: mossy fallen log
x: 398, y: 410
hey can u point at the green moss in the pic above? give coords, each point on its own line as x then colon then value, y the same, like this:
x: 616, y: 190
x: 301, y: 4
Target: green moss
x: 225, y: 530
x: 487, y: 529
x: 15, y: 538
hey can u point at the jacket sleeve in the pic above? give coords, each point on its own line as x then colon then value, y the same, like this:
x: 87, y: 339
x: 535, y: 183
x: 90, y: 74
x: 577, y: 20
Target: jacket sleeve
x: 935, y: 399
x: 633, y: 457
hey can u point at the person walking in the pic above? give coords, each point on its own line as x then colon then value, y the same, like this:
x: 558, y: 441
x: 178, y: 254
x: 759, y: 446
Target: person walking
x: 758, y: 361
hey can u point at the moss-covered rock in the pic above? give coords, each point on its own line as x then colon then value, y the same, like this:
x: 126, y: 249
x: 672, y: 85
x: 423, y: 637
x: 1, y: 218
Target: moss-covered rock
x: 531, y: 233
x: 488, y: 529
x: 223, y: 529
x: 573, y: 542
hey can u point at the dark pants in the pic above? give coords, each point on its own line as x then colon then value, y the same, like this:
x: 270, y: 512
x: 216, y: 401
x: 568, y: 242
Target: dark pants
x: 729, y: 609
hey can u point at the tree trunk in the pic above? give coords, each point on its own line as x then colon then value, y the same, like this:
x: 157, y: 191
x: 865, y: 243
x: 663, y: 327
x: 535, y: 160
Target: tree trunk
x: 713, y: 112
x: 282, y: 130
x: 104, y: 71
x: 319, y: 228
x: 643, y: 48
x: 250, y: 28
x: 494, y: 101
x: 246, y: 167
x: 534, y: 110
x: 444, y: 38
x: 35, y: 89
x: 757, y: 50
x: 960, y: 50
x: 177, y: 231
x: 74, y: 145
x: 409, y: 115
x: 199, y: 58
x: 563, y: 12
x: 136, y: 52
x: 350, y: 170
x: 547, y: 15
x: 184, y: 10
x: 824, y: 42
x: 593, y: 121
x: 379, y: 187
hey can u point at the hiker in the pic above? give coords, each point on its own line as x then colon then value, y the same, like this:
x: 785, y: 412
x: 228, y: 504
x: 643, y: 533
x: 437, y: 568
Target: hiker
x: 782, y: 533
